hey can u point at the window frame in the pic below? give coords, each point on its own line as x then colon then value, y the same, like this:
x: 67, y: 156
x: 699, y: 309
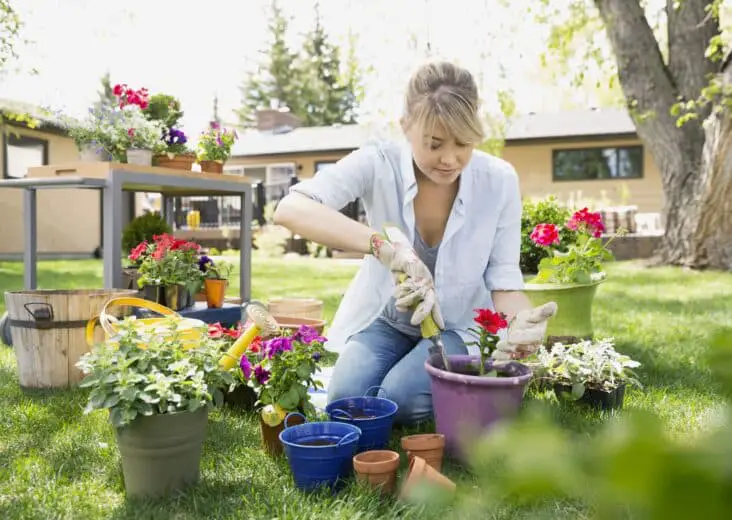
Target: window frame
x: 616, y: 148
x: 12, y: 139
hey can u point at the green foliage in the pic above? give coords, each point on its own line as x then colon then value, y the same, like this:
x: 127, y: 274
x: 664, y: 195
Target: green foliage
x: 216, y: 143
x: 219, y: 270
x: 313, y: 85
x: 160, y: 374
x: 142, y: 228
x: 164, y: 108
x: 169, y: 261
x: 107, y: 99
x: 291, y: 362
x: 581, y: 263
x: 10, y: 26
x: 548, y: 210
x: 587, y: 364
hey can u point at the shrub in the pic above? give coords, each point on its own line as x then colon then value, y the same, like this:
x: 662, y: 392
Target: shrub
x: 543, y: 211
x: 143, y: 228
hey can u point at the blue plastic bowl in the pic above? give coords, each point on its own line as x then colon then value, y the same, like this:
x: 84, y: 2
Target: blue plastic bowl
x: 320, y: 454
x: 373, y: 415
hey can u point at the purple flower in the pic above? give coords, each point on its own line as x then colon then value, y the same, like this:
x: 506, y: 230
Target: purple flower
x: 204, y: 262
x: 215, y: 125
x: 307, y: 335
x: 316, y: 356
x: 261, y: 374
x: 277, y: 345
x: 175, y: 136
x: 246, y: 367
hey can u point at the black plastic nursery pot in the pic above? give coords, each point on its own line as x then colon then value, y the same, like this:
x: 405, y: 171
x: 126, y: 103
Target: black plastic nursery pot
x: 241, y: 397
x: 595, y: 398
x: 162, y: 453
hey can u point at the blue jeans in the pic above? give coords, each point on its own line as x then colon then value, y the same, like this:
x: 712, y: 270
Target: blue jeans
x: 380, y: 355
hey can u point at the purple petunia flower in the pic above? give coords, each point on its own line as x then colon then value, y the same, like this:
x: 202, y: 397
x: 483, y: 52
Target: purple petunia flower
x: 175, y: 136
x: 246, y: 367
x: 276, y: 346
x: 307, y: 335
x: 261, y: 374
x: 204, y: 262
x: 316, y: 356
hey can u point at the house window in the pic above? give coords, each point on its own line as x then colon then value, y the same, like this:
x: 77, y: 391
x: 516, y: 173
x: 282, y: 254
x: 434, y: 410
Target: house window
x: 21, y: 153
x: 582, y: 164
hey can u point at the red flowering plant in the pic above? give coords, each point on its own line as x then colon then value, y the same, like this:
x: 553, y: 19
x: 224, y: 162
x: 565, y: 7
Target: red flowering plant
x: 489, y: 324
x: 281, y: 369
x: 582, y: 262
x: 168, y: 261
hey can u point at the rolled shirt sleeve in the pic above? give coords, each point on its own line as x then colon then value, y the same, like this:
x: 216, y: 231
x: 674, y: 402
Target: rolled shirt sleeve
x: 503, y: 272
x: 348, y: 179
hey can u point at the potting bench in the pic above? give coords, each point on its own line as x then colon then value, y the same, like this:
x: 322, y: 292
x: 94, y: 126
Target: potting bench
x: 112, y: 180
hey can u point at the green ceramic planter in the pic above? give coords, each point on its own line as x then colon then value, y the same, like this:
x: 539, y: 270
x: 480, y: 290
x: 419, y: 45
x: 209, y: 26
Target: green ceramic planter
x: 573, y: 320
x: 162, y: 453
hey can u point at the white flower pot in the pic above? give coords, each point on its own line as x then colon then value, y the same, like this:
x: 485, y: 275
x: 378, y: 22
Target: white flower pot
x: 91, y: 152
x: 138, y: 156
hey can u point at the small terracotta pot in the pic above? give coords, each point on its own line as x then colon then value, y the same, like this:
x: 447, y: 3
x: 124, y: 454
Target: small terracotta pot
x: 270, y: 434
x: 211, y: 166
x: 428, y: 446
x: 215, y: 292
x: 421, y: 473
x: 378, y: 468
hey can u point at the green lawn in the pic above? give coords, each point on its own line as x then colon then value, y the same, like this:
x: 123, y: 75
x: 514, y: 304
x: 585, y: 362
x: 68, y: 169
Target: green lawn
x: 57, y: 463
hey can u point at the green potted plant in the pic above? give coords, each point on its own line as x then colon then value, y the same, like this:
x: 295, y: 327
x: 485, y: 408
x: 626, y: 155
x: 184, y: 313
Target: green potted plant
x: 570, y: 274
x: 590, y: 372
x: 215, y: 280
x: 164, y: 108
x: 214, y: 148
x: 169, y: 272
x: 158, y: 391
x: 548, y: 210
x: 280, y: 370
x: 175, y: 153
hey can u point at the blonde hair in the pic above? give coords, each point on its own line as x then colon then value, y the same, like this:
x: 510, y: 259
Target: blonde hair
x: 445, y: 93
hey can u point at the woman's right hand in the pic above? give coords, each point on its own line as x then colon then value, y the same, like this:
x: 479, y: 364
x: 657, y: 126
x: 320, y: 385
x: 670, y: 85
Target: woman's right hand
x: 415, y: 286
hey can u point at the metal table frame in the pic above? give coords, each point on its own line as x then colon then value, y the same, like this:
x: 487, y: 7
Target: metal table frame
x: 112, y: 187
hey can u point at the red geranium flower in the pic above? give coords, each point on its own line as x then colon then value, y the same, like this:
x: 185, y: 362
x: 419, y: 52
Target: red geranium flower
x: 490, y: 321
x: 588, y: 222
x: 545, y: 235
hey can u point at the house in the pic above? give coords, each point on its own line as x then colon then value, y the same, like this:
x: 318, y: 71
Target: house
x: 68, y: 220
x: 590, y: 156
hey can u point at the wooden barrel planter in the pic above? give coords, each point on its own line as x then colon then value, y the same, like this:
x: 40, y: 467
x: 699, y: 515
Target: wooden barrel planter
x: 300, y: 307
x: 48, y: 332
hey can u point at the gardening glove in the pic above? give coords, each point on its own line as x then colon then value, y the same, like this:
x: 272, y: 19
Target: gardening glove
x: 415, y: 286
x: 525, y: 332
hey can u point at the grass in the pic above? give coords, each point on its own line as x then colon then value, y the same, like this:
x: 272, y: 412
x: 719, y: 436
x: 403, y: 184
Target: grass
x: 56, y: 462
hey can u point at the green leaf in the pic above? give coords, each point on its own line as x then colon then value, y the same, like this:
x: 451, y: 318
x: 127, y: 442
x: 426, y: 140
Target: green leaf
x: 111, y: 401
x: 578, y: 390
x: 303, y: 370
x: 290, y: 400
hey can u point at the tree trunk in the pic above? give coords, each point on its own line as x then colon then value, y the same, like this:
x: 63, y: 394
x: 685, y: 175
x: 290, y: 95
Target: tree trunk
x: 695, y: 163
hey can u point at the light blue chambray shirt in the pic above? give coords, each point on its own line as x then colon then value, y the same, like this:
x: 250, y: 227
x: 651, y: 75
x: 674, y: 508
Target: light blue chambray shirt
x: 480, y: 248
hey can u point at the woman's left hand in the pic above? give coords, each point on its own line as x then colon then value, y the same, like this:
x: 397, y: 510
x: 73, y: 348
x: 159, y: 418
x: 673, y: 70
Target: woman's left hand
x: 525, y: 332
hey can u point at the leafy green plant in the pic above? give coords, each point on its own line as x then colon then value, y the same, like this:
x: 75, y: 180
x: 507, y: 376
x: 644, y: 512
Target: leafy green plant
x: 282, y: 370
x: 170, y: 261
x: 139, y: 375
x: 582, y: 262
x: 219, y: 270
x: 144, y: 228
x: 215, y: 144
x: 550, y: 211
x: 164, y: 108
x: 587, y: 364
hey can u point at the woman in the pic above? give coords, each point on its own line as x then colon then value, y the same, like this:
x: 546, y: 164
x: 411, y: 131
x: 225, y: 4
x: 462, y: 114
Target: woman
x: 461, y: 211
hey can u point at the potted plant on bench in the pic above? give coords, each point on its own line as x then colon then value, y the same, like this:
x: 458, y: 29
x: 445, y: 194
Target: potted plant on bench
x: 158, y: 389
x: 215, y: 280
x: 590, y: 372
x: 214, y: 148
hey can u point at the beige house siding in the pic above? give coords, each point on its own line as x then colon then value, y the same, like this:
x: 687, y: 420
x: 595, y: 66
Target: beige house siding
x: 68, y: 220
x: 304, y: 163
x: 533, y: 162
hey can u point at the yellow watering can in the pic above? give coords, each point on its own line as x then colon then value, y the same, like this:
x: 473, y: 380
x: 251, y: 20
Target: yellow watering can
x: 262, y: 324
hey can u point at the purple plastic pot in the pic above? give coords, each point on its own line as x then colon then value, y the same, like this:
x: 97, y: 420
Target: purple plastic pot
x: 466, y: 404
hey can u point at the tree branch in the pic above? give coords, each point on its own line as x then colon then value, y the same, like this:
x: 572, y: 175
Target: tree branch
x: 690, y: 28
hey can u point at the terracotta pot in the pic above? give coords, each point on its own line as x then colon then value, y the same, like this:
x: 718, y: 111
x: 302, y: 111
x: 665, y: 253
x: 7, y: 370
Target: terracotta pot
x: 270, y: 434
x: 428, y: 446
x: 178, y: 162
x: 215, y: 292
x: 378, y: 468
x: 212, y: 166
x: 422, y: 474
x: 293, y: 322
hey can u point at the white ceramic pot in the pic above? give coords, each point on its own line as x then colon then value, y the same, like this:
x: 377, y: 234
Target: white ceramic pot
x: 138, y: 156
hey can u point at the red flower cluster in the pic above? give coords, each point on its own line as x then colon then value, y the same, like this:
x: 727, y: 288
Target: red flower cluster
x: 490, y: 321
x: 216, y: 330
x: 138, y: 251
x: 166, y: 242
x: 545, y: 235
x: 128, y: 96
x: 587, y: 222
